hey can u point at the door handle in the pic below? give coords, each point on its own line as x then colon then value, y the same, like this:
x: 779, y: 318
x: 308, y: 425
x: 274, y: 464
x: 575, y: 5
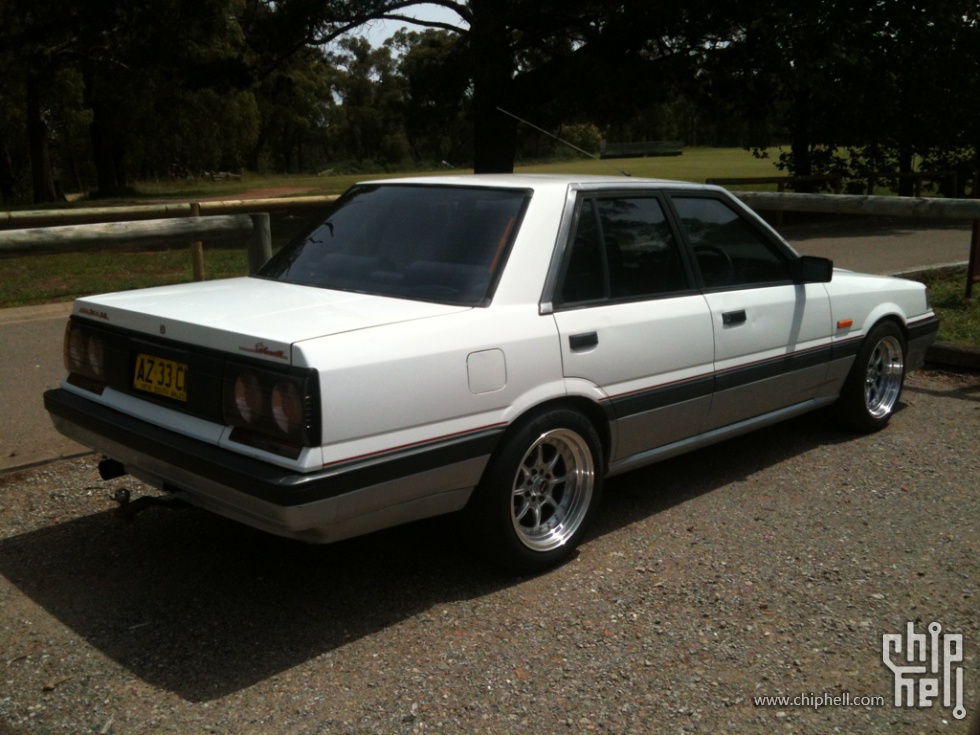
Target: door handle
x: 583, y: 341
x: 732, y: 318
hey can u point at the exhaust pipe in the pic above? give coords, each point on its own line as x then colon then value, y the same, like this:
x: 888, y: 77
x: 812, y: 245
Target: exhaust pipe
x: 110, y: 469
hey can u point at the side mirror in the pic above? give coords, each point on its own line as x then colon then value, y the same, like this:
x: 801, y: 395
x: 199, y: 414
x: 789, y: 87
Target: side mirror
x: 811, y: 269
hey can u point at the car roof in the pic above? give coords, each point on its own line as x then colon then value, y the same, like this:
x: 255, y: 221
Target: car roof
x: 539, y: 181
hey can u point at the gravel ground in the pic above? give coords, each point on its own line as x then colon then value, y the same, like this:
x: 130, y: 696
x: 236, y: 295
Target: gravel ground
x: 768, y: 565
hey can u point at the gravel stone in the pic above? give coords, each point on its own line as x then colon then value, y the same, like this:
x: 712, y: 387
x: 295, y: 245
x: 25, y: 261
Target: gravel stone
x: 768, y: 565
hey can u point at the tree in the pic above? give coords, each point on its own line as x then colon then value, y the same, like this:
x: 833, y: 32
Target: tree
x: 856, y: 86
x: 142, y: 66
x: 369, y: 121
x: 584, y: 56
x: 438, y: 95
x: 296, y: 108
x: 167, y: 65
x: 39, y: 41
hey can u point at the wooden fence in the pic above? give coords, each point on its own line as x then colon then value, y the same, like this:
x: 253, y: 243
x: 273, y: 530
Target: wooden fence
x: 937, y: 208
x: 170, y: 222
x: 781, y: 182
x: 49, y: 217
x: 254, y: 226
x: 640, y: 149
x: 836, y: 181
x: 51, y: 229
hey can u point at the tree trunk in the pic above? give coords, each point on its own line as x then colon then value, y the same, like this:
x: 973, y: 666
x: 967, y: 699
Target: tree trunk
x: 107, y: 155
x: 975, y: 190
x: 906, y: 184
x: 494, y: 133
x: 7, y: 178
x: 802, y: 164
x: 42, y: 175
x: 72, y: 159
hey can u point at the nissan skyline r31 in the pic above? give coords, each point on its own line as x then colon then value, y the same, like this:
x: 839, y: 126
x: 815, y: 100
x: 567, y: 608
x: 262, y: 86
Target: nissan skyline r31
x: 493, y: 346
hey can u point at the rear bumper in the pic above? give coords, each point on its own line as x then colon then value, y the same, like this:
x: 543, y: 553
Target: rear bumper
x: 323, y: 506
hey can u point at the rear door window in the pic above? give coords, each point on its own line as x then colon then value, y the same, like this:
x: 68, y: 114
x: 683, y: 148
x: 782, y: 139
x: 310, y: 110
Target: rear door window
x: 622, y: 250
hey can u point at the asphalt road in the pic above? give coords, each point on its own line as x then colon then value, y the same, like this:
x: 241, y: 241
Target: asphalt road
x: 31, y: 337
x: 31, y: 341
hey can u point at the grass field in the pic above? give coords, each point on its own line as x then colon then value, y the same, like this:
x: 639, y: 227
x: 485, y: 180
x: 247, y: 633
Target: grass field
x: 52, y: 277
x: 959, y: 316
x: 696, y: 164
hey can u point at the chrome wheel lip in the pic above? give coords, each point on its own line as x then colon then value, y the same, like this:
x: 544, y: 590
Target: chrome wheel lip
x: 884, y: 376
x: 552, y: 490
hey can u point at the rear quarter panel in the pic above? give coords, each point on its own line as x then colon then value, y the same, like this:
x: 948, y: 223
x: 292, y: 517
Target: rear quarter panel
x: 399, y: 386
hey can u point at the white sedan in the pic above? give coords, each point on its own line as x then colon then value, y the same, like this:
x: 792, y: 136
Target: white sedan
x: 491, y: 345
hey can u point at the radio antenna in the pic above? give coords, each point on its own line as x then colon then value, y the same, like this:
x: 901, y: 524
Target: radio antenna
x: 565, y: 142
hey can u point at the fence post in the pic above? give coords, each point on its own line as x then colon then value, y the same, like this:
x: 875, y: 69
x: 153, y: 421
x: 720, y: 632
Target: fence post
x: 197, y: 248
x: 973, y: 271
x: 780, y: 188
x: 260, y: 242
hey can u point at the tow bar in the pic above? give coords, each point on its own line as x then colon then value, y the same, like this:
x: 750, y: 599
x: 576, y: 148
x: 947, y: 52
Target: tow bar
x: 128, y: 508
x: 110, y: 469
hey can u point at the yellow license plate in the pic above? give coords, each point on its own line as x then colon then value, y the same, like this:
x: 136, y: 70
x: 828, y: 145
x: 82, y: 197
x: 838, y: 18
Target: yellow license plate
x: 163, y: 377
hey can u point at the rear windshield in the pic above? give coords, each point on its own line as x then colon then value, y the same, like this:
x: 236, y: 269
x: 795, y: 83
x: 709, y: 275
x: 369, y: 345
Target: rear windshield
x: 446, y: 244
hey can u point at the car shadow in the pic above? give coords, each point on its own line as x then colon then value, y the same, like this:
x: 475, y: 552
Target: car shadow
x: 961, y: 392
x: 204, y: 607
x: 651, y: 490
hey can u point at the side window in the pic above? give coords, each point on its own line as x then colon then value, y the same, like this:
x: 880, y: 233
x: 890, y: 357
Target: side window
x: 585, y: 278
x: 644, y: 259
x: 729, y: 252
x: 622, y: 250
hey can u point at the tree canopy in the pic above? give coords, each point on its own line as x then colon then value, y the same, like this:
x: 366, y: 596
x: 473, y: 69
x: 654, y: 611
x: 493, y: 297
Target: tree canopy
x: 99, y: 93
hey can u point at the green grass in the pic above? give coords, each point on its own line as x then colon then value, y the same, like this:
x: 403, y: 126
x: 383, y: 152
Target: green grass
x: 53, y: 277
x: 959, y: 317
x: 696, y: 164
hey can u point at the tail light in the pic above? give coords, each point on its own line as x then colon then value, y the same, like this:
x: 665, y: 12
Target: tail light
x: 271, y: 410
x: 84, y: 352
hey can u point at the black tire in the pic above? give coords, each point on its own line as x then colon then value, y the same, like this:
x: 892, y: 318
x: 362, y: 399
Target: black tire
x: 538, y: 493
x: 873, y: 386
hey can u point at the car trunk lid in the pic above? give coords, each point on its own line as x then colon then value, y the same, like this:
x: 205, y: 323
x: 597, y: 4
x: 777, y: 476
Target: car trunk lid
x: 250, y: 316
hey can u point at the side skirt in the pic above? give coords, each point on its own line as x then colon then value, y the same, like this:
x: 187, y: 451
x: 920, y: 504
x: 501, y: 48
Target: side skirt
x: 716, y: 435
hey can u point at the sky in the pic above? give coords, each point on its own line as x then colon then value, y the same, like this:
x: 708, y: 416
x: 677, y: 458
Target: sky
x: 378, y: 31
